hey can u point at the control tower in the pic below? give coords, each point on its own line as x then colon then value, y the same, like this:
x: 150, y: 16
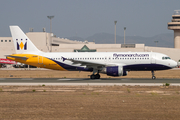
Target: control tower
x: 175, y: 25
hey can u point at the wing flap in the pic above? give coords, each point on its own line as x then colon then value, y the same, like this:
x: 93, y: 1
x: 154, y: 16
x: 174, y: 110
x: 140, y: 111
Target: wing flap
x: 87, y: 63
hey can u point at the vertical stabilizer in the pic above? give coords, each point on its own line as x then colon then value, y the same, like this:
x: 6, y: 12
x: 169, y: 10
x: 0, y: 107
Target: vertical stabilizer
x: 22, y: 43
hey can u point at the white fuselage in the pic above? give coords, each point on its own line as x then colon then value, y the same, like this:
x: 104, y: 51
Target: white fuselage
x: 125, y: 59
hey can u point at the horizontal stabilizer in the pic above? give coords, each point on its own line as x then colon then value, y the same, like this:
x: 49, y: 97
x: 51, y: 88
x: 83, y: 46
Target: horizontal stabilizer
x: 19, y: 57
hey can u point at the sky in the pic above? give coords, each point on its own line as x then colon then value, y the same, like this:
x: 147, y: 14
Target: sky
x: 85, y: 18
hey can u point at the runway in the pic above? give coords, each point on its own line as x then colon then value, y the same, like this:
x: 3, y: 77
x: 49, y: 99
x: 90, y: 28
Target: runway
x: 87, y: 81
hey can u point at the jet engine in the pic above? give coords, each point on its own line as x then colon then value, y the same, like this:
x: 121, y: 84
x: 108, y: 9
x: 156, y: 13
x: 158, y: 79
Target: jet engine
x: 114, y: 71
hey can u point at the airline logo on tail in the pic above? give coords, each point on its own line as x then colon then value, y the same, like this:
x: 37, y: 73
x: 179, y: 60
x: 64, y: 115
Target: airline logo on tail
x: 21, y: 45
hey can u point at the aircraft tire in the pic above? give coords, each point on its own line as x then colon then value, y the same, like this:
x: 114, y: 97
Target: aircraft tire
x: 97, y: 76
x: 92, y: 76
x: 153, y: 77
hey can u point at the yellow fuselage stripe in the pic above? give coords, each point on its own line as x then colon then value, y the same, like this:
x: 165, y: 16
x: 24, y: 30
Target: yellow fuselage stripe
x: 37, y: 60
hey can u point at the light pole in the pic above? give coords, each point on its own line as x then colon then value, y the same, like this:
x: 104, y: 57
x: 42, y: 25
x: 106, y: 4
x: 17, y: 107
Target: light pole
x: 124, y: 34
x: 115, y: 32
x: 50, y: 17
x: 156, y: 43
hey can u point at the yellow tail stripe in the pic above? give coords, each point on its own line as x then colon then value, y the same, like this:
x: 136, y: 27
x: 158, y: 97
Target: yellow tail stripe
x: 38, y: 61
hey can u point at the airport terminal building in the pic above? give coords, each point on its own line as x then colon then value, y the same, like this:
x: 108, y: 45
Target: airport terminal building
x: 42, y: 41
x: 47, y: 42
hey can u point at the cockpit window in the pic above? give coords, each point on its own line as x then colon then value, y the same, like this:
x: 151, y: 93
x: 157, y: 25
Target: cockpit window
x: 165, y: 58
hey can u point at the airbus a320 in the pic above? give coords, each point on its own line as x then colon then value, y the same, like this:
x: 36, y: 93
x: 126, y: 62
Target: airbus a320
x: 110, y: 63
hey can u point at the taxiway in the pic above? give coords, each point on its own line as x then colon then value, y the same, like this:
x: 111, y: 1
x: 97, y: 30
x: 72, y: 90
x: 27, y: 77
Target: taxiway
x: 87, y: 81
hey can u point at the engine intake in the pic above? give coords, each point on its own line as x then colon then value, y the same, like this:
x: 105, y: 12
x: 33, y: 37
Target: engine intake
x: 115, y: 71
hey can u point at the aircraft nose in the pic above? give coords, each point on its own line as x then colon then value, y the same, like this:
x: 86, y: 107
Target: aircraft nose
x: 178, y: 64
x: 174, y: 64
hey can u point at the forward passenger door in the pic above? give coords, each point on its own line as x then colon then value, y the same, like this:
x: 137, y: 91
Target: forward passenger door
x: 153, y: 58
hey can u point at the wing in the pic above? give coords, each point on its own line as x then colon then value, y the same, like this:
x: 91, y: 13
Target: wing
x: 89, y: 64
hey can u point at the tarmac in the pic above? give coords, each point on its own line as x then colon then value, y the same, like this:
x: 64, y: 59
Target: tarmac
x: 87, y: 81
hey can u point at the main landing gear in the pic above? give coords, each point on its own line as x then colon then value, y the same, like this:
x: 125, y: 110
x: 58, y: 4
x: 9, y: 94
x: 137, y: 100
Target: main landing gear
x: 95, y: 76
x: 153, y: 75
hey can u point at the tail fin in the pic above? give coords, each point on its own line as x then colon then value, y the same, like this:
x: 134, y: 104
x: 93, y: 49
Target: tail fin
x: 22, y: 43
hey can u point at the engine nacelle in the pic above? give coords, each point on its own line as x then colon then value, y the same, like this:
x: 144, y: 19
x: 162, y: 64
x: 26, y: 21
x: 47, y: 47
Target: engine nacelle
x: 115, y: 71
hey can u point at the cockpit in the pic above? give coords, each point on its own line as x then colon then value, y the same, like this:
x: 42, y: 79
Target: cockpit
x: 166, y: 58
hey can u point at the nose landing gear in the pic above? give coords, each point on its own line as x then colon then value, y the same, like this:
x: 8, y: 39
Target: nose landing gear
x: 153, y: 75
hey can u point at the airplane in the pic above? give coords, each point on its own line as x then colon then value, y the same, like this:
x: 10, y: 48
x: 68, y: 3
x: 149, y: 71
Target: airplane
x: 110, y: 63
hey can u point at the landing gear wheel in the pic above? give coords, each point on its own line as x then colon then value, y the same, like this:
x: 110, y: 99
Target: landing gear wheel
x: 92, y: 76
x: 153, y: 77
x: 97, y: 76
